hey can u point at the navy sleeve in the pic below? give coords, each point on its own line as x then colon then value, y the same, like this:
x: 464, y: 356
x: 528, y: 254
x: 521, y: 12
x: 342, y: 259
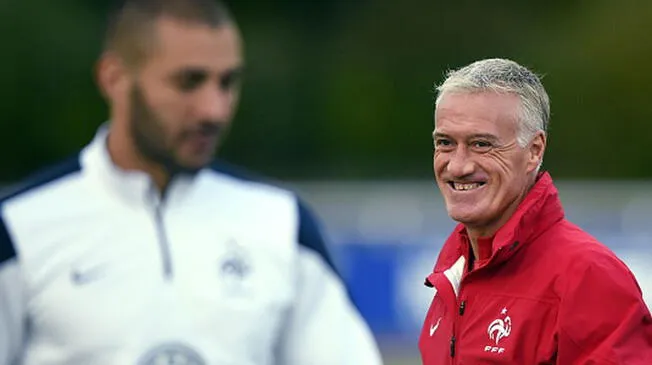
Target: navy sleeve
x: 7, y: 250
x: 12, y: 306
x: 323, y: 327
x: 310, y: 235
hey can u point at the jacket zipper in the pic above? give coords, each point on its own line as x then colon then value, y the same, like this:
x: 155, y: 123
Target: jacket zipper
x: 461, y: 308
x: 453, y: 346
x: 161, y: 234
x: 453, y: 340
x: 163, y: 241
x: 458, y: 317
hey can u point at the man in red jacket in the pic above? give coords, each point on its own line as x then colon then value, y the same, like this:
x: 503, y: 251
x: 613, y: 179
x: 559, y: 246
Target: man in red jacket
x: 516, y: 283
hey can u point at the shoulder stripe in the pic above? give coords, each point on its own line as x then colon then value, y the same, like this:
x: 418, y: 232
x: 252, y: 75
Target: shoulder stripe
x: 310, y: 235
x: 43, y: 177
x: 38, y: 179
x: 7, y: 251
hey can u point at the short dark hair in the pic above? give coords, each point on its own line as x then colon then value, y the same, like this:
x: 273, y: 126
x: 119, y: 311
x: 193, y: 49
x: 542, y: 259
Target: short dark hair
x: 130, y: 24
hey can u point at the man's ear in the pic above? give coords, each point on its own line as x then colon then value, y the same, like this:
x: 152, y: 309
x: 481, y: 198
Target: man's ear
x: 112, y: 76
x: 536, y: 149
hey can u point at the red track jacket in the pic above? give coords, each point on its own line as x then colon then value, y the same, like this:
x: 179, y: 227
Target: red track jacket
x: 542, y: 292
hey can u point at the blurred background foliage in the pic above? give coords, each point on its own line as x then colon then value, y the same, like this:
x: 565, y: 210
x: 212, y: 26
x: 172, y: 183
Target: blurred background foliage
x: 343, y: 89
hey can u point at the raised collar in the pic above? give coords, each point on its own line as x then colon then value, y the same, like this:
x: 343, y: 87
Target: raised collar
x: 134, y: 186
x: 540, y: 209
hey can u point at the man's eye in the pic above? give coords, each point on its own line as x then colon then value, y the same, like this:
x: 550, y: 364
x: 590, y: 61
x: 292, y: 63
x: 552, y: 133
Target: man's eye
x: 443, y: 143
x: 228, y: 81
x: 481, y: 145
x: 190, y: 81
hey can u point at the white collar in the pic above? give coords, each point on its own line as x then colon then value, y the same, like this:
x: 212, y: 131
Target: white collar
x: 135, y: 186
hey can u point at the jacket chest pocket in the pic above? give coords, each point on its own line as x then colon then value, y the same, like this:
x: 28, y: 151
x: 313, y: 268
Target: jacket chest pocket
x: 503, y: 329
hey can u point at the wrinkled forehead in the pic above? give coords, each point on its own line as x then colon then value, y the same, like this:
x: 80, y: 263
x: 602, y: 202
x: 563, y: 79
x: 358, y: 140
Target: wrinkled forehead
x: 182, y: 44
x: 477, y: 112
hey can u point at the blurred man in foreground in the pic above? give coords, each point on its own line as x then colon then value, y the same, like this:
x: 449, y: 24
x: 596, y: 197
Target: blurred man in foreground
x: 516, y: 283
x: 137, y: 251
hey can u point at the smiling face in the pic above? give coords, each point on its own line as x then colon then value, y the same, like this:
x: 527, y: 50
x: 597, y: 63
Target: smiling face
x: 481, y: 170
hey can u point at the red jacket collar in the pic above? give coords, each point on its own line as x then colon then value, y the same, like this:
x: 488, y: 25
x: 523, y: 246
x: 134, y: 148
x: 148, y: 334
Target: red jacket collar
x: 540, y: 209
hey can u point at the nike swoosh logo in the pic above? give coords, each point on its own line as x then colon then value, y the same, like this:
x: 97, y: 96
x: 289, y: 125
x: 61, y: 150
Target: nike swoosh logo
x: 433, y: 328
x: 83, y: 277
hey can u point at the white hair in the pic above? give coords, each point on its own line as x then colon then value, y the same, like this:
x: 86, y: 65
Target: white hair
x: 504, y: 76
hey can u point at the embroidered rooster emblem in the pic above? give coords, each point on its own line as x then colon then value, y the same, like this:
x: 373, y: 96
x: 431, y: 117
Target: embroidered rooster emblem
x: 500, y: 328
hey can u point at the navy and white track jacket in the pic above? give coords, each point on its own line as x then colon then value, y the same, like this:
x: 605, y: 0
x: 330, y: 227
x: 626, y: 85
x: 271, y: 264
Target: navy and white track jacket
x: 96, y: 268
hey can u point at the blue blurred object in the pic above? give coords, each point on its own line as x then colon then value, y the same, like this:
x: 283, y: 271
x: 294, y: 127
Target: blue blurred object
x: 370, y: 273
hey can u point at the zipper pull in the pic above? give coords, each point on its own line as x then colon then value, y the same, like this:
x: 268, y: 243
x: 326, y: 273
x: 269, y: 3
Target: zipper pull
x: 453, y: 346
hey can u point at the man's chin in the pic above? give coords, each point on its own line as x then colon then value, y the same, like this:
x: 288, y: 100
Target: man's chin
x: 466, y: 217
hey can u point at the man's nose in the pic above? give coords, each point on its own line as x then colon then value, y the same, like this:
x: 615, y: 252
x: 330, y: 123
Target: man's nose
x: 214, y: 104
x: 460, y: 163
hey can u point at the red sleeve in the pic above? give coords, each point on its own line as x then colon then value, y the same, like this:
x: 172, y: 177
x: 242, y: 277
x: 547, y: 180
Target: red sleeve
x: 602, y: 317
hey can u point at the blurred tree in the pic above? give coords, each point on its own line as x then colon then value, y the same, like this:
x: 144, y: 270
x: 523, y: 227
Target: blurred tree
x: 49, y: 105
x: 340, y: 89
x: 597, y: 61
